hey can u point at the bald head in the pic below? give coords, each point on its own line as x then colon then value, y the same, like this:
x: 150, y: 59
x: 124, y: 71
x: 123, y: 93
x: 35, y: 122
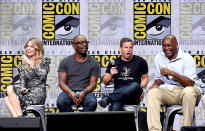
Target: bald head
x: 79, y: 37
x: 172, y: 38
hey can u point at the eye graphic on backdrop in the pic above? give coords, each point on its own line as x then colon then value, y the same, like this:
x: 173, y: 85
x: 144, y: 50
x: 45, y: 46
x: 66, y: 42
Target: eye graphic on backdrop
x: 66, y: 27
x: 24, y: 26
x: 65, y: 30
x: 158, y: 28
x: 112, y: 27
x: 198, y: 29
x: 201, y: 75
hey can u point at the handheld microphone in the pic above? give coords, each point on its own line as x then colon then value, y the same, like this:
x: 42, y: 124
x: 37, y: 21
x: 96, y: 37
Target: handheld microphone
x: 167, y: 77
x: 77, y: 94
x: 21, y: 90
x: 112, y: 63
x: 160, y: 67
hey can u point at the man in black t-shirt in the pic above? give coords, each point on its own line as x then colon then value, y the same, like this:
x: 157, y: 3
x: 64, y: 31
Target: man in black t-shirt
x: 130, y: 73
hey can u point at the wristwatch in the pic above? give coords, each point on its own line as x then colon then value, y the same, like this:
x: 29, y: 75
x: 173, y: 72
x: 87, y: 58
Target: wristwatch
x: 85, y: 92
x: 143, y: 87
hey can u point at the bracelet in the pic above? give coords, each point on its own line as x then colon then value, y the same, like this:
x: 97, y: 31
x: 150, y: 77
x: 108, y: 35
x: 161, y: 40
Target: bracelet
x: 85, y: 92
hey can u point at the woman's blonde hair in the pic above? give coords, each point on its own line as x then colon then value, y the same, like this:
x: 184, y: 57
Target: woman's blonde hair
x: 37, y: 44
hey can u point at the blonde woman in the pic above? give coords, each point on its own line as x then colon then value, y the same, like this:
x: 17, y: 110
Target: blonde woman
x: 33, y: 76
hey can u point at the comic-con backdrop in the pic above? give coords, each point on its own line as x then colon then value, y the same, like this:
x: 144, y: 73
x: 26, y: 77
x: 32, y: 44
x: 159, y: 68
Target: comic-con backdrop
x: 104, y: 22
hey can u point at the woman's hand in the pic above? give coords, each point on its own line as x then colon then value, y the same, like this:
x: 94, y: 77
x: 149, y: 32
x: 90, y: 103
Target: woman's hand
x: 27, y: 60
x: 25, y: 91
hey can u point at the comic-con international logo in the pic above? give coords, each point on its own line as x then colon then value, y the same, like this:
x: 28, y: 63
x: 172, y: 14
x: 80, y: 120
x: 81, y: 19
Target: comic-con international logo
x: 106, y: 21
x: 152, y: 22
x: 60, y: 22
x: 18, y: 22
x: 192, y: 22
x: 9, y: 73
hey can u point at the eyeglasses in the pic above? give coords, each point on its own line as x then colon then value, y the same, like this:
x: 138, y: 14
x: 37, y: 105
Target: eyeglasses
x: 81, y: 42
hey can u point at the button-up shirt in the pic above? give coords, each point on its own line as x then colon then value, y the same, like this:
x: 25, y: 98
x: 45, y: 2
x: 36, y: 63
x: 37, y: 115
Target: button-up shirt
x: 183, y: 64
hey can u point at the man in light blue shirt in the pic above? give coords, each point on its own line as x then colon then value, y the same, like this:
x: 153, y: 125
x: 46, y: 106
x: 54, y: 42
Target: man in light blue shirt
x: 174, y: 84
